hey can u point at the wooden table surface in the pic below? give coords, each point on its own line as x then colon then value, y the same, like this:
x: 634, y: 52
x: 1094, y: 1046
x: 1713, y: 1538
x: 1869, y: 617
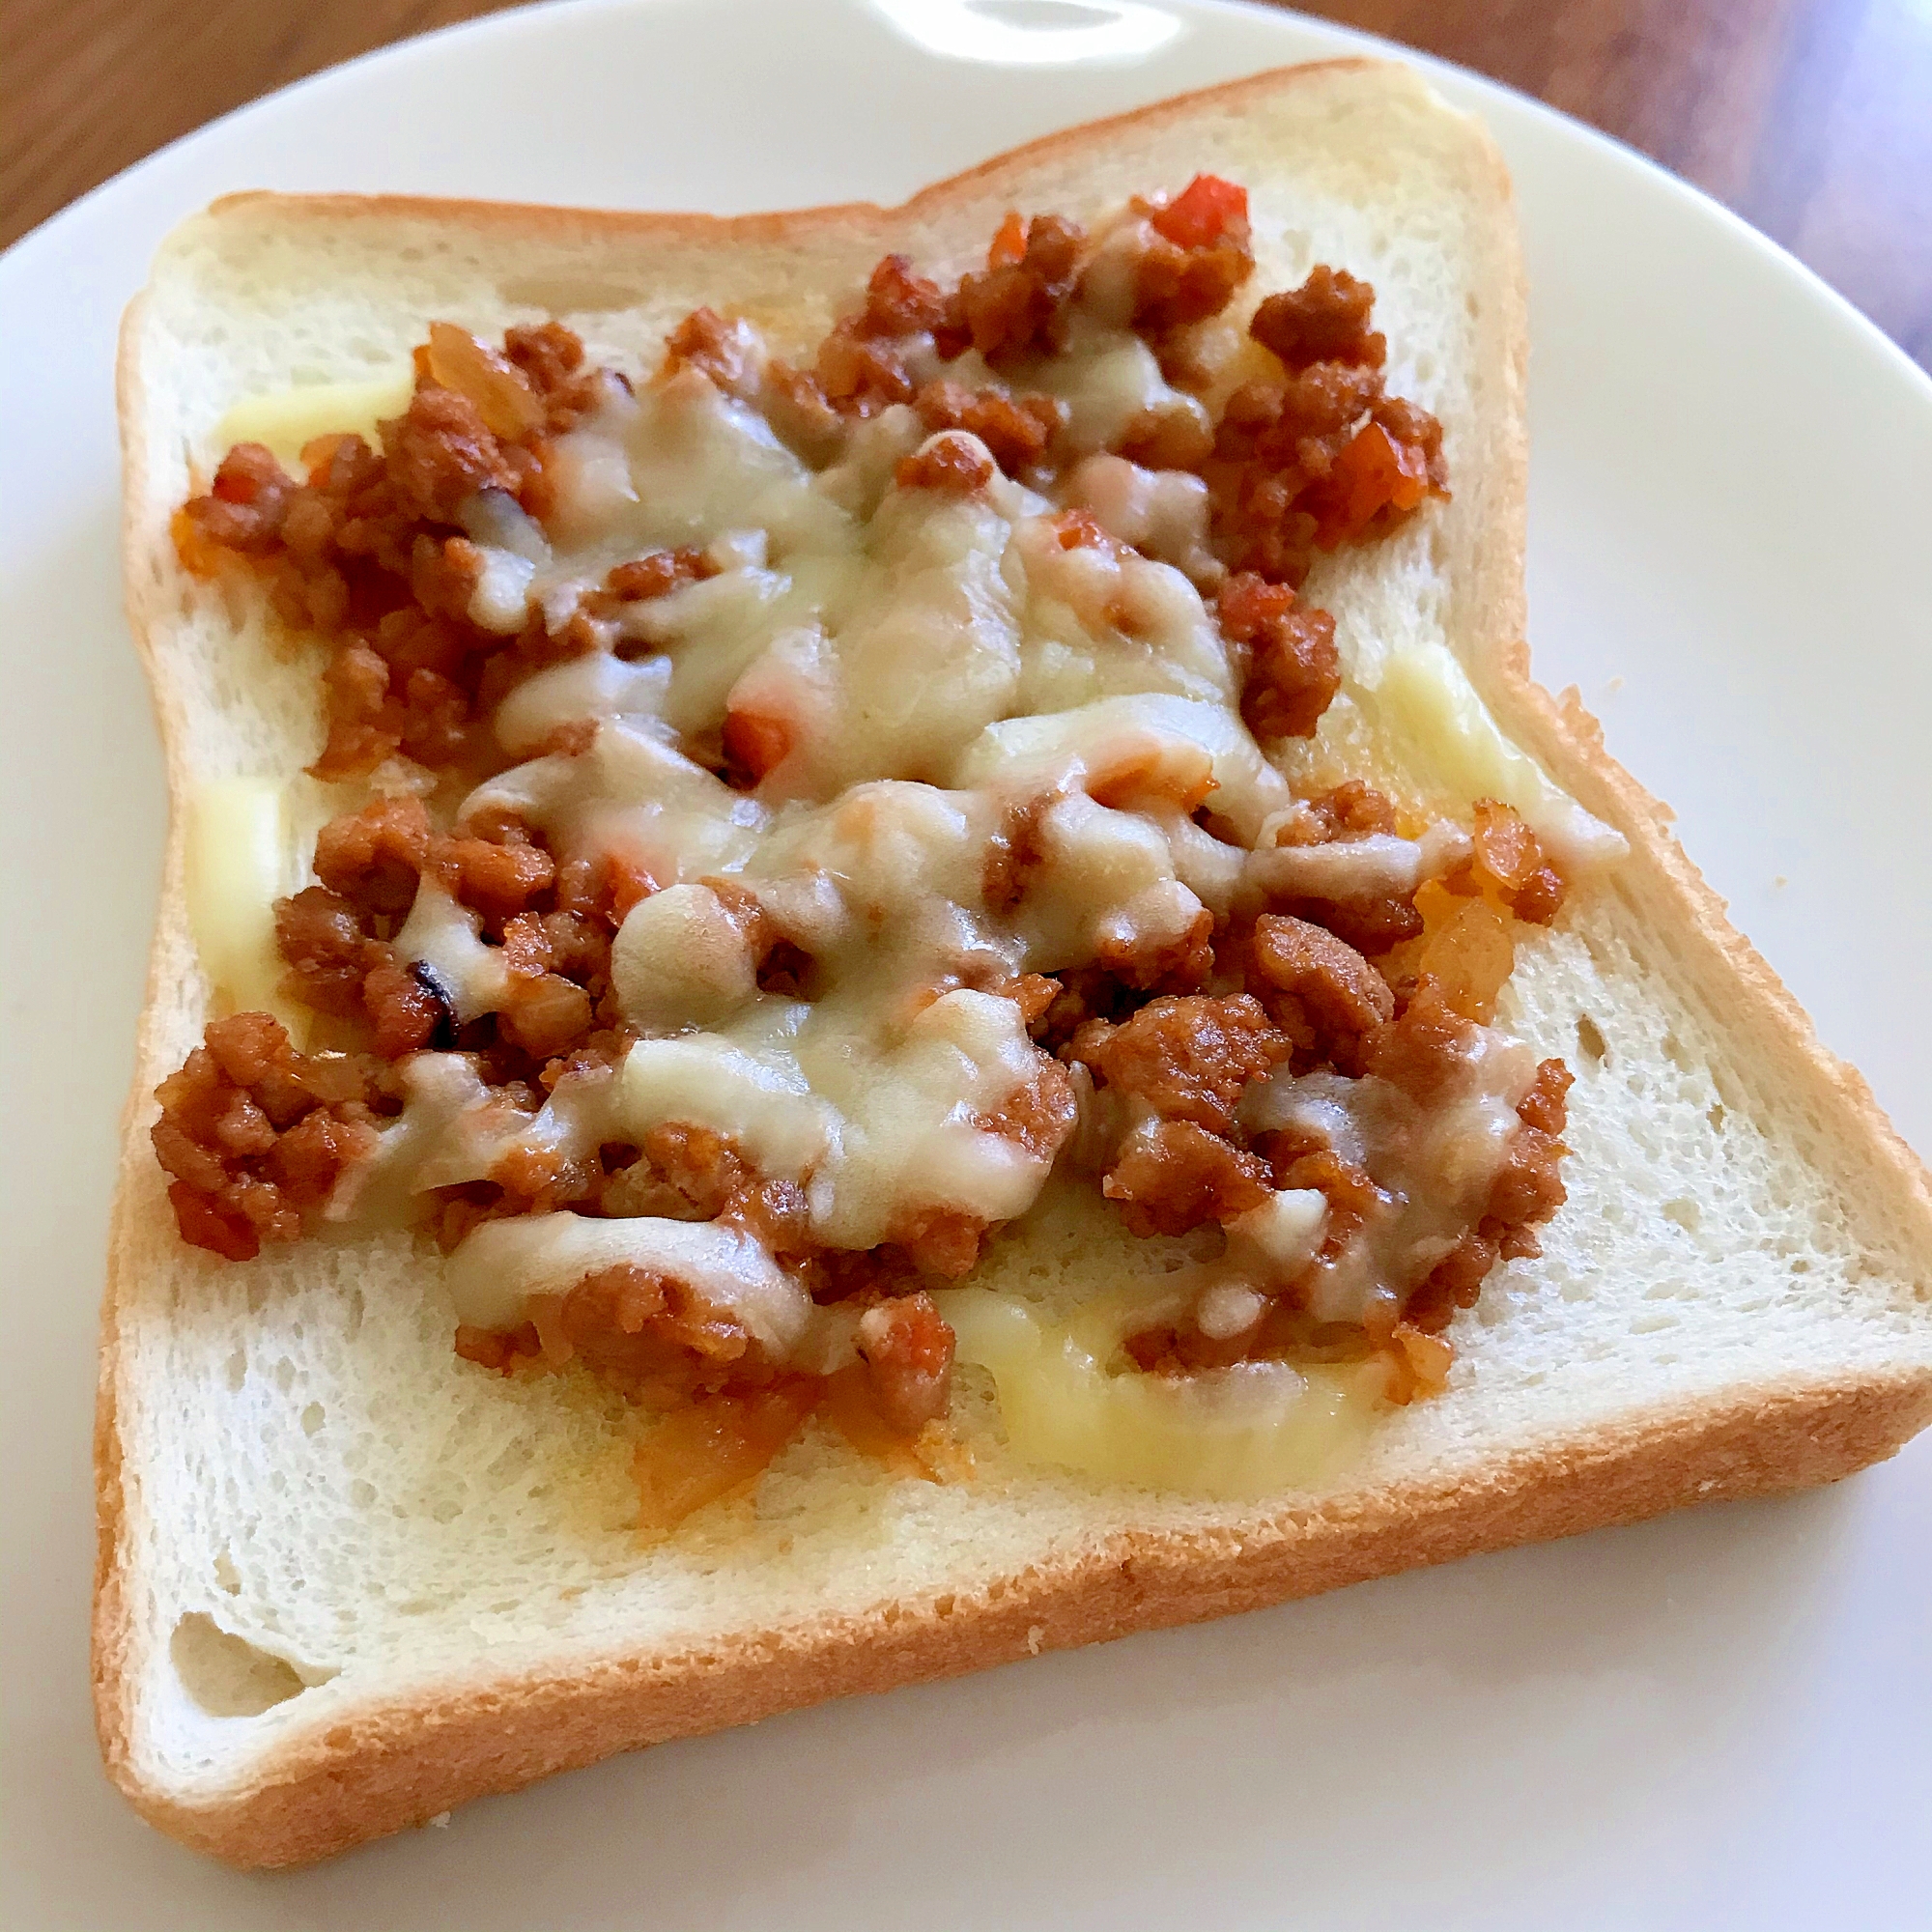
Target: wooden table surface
x: 1811, y: 118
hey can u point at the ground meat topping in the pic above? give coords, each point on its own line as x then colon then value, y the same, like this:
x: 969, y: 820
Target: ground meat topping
x: 1017, y: 306
x: 440, y: 452
x: 1165, y: 984
x: 1198, y: 256
x: 1527, y: 1190
x: 1323, y: 995
x: 1038, y: 1116
x: 1326, y: 319
x: 256, y: 1134
x: 1173, y: 1175
x: 951, y: 463
x: 650, y: 1337
x: 1015, y: 430
x: 1189, y: 1057
x: 1292, y: 669
x: 1423, y: 1049
x: 907, y: 1348
x: 371, y: 858
x: 1324, y: 457
x: 1373, y: 922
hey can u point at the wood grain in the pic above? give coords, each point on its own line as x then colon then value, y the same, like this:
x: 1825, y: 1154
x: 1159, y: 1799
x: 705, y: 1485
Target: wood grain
x: 1811, y: 118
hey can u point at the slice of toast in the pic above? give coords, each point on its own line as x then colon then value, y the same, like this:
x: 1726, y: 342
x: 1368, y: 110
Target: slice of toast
x: 346, y: 1581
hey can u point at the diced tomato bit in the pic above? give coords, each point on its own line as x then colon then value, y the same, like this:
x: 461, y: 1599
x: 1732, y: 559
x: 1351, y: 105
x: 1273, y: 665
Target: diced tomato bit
x: 1372, y: 473
x: 1009, y: 244
x: 756, y: 743
x: 1201, y: 212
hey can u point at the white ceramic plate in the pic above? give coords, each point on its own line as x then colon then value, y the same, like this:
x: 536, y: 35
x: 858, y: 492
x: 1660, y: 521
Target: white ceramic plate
x: 1716, y: 1720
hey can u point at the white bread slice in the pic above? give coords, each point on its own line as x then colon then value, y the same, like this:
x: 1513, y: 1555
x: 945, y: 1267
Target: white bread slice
x: 346, y: 1581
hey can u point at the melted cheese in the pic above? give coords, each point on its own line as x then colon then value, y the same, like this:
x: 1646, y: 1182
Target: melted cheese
x: 1152, y: 746
x: 499, y: 1265
x: 1111, y: 382
x: 926, y: 655
x: 1100, y: 624
x: 762, y: 1101
x: 1163, y: 512
x: 1433, y: 1165
x: 908, y: 1108
x: 1438, y: 723
x: 1228, y: 1434
x: 442, y: 937
x: 286, y: 420
x: 633, y: 794
x: 1377, y: 866
x: 593, y: 688
x: 679, y: 960
x: 240, y: 859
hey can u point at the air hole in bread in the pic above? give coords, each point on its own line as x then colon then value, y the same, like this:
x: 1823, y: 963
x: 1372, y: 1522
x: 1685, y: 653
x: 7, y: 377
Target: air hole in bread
x: 1685, y: 1213
x: 285, y: 1374
x: 226, y: 1574
x: 1678, y: 1054
x: 238, y: 1369
x: 1590, y: 1040
x: 1715, y: 1114
x: 313, y: 1417
x: 226, y: 1675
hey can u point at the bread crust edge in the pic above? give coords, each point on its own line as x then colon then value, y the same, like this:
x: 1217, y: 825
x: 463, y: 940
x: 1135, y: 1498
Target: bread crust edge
x: 400, y: 1764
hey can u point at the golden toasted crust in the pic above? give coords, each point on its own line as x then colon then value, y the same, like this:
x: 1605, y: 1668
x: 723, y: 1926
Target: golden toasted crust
x: 402, y: 1762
